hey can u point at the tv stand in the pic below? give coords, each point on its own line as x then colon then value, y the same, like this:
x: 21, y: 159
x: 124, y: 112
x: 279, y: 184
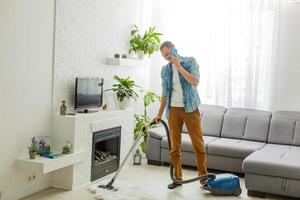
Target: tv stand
x: 87, y: 111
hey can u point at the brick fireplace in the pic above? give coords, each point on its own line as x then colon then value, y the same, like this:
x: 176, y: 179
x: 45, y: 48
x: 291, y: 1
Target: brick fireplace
x: 108, y: 132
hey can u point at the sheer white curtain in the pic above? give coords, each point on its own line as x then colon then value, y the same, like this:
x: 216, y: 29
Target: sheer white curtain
x: 233, y: 42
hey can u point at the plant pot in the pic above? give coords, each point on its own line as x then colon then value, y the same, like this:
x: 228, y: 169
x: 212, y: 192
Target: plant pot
x: 126, y: 103
x: 140, y: 55
x: 132, y: 55
x: 32, y: 154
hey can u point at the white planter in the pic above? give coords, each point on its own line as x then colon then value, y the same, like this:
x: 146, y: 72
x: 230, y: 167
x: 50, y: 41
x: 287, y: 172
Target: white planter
x: 140, y: 55
x: 126, y: 103
x: 132, y: 55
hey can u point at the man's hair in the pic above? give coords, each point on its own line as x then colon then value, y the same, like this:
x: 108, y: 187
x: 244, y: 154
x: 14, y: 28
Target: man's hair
x: 168, y: 44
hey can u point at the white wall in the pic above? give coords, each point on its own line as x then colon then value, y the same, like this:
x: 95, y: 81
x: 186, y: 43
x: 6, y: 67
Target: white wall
x: 26, y: 40
x: 87, y: 32
x: 287, y: 95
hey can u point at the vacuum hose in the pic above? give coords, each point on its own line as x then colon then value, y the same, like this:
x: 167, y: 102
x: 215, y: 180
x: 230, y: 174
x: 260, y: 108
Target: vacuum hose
x: 143, y: 131
x: 204, y: 176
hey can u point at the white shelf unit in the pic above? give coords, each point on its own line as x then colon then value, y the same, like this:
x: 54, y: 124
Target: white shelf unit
x: 129, y: 62
x: 47, y: 165
x: 73, y: 171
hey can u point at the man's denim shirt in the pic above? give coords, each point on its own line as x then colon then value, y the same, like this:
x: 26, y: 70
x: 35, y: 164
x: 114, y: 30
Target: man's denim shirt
x: 191, y: 99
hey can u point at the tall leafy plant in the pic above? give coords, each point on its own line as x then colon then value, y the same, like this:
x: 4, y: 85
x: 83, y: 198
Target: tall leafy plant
x: 142, y: 120
x: 148, y: 43
x: 124, y: 88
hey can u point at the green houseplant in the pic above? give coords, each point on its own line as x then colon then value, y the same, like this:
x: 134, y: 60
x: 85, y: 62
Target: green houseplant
x: 33, y: 149
x: 141, y: 120
x: 146, y: 44
x: 124, y: 89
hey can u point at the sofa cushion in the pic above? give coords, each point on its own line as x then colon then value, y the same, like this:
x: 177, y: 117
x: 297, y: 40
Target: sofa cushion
x: 233, y: 147
x: 234, y: 125
x: 285, y: 128
x: 186, y: 144
x: 248, y: 124
x: 257, y: 128
x: 211, y: 119
x: 274, y: 160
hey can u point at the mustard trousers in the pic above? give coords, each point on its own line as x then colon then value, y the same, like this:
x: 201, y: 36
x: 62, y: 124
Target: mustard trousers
x: 192, y: 121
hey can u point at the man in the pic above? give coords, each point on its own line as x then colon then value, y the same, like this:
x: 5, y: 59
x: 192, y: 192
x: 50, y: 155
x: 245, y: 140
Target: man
x: 180, y: 78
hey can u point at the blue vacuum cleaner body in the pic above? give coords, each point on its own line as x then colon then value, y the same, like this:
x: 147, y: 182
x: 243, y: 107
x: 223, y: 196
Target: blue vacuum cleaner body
x: 224, y: 184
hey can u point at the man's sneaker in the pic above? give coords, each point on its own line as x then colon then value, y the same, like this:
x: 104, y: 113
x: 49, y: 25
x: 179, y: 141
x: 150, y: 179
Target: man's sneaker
x: 174, y: 185
x: 203, y: 180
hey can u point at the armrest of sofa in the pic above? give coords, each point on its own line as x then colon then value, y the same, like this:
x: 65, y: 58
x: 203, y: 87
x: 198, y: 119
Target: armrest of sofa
x: 153, y: 150
x: 157, y: 133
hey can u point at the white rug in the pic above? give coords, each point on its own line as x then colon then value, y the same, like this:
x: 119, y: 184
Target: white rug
x: 127, y: 191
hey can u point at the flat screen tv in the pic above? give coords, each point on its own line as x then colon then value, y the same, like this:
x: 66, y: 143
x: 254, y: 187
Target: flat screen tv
x: 88, y: 93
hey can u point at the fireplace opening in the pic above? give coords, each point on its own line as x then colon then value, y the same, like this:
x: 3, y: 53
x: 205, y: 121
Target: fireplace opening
x: 105, y: 152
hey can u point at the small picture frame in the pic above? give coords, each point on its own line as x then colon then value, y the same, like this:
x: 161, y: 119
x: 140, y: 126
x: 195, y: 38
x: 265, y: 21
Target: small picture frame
x: 42, y: 143
x: 110, y: 101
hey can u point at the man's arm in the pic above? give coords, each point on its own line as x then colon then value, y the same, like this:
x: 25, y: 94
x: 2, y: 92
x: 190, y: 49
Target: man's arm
x: 188, y: 76
x: 161, y: 109
x: 192, y: 79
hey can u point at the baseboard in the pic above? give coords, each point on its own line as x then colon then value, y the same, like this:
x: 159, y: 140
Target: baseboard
x: 153, y: 162
x: 256, y: 194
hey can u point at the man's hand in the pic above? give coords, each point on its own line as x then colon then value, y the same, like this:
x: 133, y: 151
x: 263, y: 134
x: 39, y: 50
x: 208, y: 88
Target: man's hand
x: 176, y: 62
x: 157, y: 119
x: 187, y: 75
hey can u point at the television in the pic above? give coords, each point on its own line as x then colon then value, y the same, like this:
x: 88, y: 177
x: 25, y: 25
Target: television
x: 88, y: 93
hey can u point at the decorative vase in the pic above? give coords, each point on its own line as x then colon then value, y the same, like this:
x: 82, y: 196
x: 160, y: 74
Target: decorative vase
x: 126, y: 103
x: 32, y: 154
x: 67, y: 148
x: 63, y: 108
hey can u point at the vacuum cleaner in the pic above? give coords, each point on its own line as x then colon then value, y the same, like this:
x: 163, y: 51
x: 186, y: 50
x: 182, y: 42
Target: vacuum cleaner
x: 217, y: 184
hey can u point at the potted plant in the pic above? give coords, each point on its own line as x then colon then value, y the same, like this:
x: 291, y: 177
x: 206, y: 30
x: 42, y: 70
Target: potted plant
x: 124, y: 89
x: 142, y: 120
x: 33, y: 149
x: 145, y: 44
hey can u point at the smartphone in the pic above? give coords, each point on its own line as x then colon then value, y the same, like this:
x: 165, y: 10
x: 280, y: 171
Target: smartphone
x: 174, y: 52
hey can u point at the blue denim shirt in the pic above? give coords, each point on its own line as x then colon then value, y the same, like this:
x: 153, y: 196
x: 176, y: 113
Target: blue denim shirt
x: 191, y: 99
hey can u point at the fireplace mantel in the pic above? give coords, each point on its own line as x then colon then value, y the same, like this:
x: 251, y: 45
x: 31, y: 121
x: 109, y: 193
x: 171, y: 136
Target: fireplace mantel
x: 78, y: 130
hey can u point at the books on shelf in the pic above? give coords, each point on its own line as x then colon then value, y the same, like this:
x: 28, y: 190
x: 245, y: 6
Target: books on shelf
x: 52, y: 155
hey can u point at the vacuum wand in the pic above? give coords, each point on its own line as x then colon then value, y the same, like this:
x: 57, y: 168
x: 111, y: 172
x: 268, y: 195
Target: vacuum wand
x: 109, y: 185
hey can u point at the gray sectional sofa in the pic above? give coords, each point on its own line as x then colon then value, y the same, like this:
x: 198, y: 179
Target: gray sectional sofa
x: 277, y: 164
x: 264, y: 146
